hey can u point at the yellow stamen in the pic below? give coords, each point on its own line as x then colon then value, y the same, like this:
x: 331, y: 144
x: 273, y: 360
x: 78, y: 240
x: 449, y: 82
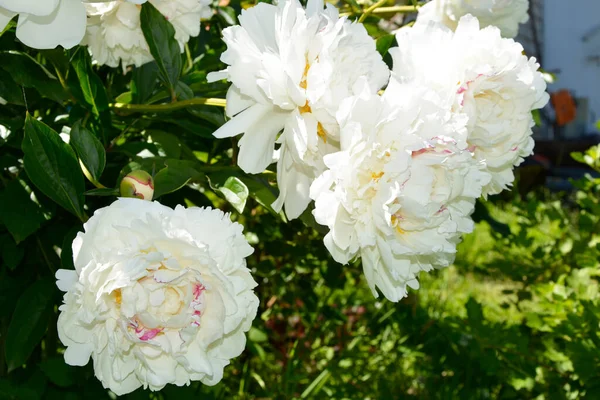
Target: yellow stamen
x: 321, y: 132
x: 376, y: 176
x: 304, y: 76
x: 395, y: 224
x: 305, y: 108
x: 118, y: 296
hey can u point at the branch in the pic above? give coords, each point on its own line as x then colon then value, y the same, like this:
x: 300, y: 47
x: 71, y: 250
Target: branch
x: 375, y: 9
x: 153, y: 108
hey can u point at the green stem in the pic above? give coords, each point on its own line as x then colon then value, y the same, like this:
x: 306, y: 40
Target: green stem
x: 90, y: 177
x: 152, y: 108
x: 375, y: 9
x: 396, y: 9
x: 188, y: 55
x: 371, y: 9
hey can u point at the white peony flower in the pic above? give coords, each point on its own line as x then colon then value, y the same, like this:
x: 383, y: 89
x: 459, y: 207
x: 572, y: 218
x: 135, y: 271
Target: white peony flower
x: 400, y: 192
x: 484, y: 76
x: 158, y: 296
x: 504, y: 14
x: 45, y: 24
x: 290, y: 69
x: 114, y: 34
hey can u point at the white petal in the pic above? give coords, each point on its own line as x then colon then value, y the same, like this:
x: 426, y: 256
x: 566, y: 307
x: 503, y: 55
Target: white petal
x: 34, y: 7
x: 78, y: 354
x: 257, y: 144
x: 66, y: 279
x: 236, y: 101
x: 65, y: 27
x: 242, y: 121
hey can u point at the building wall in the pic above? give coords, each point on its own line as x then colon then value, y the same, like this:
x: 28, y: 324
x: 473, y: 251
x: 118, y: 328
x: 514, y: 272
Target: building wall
x: 575, y: 61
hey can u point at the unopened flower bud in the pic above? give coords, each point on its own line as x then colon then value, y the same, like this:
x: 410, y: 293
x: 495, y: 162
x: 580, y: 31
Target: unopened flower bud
x: 137, y: 184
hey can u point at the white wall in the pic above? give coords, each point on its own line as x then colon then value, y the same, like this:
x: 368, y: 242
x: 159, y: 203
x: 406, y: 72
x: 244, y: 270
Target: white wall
x: 565, y: 23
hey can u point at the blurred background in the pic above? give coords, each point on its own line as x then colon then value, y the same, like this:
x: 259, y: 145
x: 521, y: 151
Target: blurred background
x: 565, y: 39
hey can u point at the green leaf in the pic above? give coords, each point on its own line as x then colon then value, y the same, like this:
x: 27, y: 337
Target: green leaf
x: 384, y: 43
x: 102, y: 192
x: 52, y: 166
x: 261, y: 190
x: 169, y: 143
x: 257, y: 336
x: 174, y: 176
x: 536, y: 117
x: 10, y: 91
x: 19, y: 213
x: 29, y: 322
x: 89, y: 149
x: 183, y: 91
x: 58, y: 372
x: 143, y: 82
x: 12, y: 254
x: 27, y: 72
x: 228, y: 14
x: 235, y: 192
x: 258, y: 185
x: 66, y: 254
x: 160, y: 36
x: 474, y: 312
x: 91, y: 86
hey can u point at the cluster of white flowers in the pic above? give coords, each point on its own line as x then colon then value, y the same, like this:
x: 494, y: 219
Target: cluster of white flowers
x: 503, y: 14
x: 394, y: 177
x: 163, y: 296
x: 111, y: 29
x: 114, y: 34
x: 483, y: 76
x: 158, y: 295
x: 290, y: 69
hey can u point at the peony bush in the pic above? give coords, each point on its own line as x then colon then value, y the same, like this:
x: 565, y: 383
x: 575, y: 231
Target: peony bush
x: 217, y: 189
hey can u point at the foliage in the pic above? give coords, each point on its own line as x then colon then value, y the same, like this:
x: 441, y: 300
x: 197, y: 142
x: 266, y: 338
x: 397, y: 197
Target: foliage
x: 517, y: 316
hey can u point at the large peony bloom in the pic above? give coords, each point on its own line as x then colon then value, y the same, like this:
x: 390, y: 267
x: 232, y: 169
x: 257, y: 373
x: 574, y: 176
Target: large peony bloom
x: 504, y: 14
x: 290, y: 69
x: 158, y: 295
x: 484, y: 76
x: 114, y: 34
x: 45, y: 24
x: 400, y: 192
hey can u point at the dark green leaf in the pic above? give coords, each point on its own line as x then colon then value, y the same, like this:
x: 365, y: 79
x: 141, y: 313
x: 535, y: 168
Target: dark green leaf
x: 66, y: 254
x: 12, y: 254
x: 52, y: 166
x: 91, y: 85
x: 160, y: 36
x: 384, y: 43
x: 474, y: 312
x: 19, y: 213
x: 174, y: 176
x: 10, y: 91
x: 27, y: 72
x: 143, y: 82
x: 58, y: 372
x: 102, y: 192
x: 169, y: 143
x: 29, y: 322
x: 183, y: 91
x: 89, y: 149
